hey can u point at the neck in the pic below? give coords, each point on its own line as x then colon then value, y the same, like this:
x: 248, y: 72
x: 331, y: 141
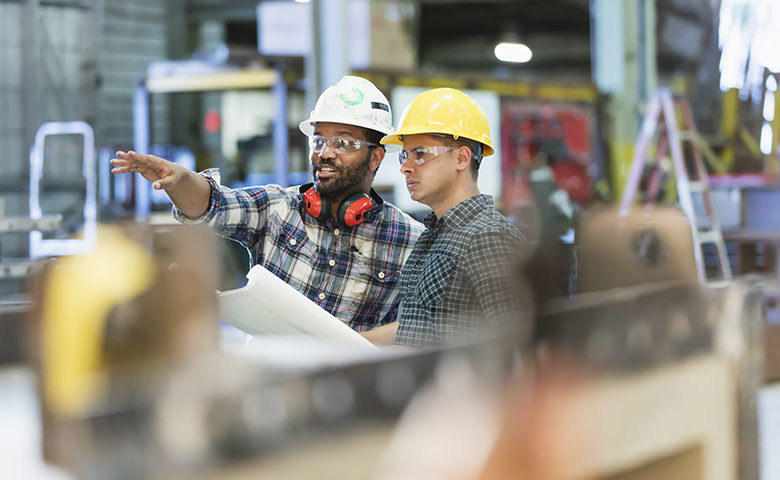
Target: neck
x: 457, y: 195
x: 336, y: 201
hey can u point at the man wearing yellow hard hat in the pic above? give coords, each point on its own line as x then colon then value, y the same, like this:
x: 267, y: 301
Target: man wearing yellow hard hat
x: 461, y: 280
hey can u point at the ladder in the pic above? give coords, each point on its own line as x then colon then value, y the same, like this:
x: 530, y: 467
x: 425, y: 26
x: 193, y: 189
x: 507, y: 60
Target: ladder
x: 690, y: 175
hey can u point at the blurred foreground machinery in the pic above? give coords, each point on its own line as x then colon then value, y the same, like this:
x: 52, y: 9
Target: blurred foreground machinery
x: 642, y: 375
x: 689, y: 355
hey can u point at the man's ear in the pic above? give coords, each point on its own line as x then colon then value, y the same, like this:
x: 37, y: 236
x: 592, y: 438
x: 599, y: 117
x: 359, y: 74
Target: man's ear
x: 376, y: 158
x: 464, y: 157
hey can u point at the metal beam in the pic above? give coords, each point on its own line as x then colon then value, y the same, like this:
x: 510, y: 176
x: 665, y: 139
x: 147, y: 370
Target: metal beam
x: 242, y: 79
x: 624, y: 66
x: 199, y: 10
x: 66, y: 4
x: 30, y: 70
x: 280, y: 136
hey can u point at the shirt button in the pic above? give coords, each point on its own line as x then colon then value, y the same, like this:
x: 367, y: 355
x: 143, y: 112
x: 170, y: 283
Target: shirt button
x: 322, y: 296
x: 336, y: 232
x: 332, y: 262
x: 381, y: 274
x: 293, y: 242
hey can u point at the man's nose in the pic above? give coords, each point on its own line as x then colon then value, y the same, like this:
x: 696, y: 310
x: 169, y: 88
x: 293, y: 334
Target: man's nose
x: 327, y: 151
x: 407, y: 166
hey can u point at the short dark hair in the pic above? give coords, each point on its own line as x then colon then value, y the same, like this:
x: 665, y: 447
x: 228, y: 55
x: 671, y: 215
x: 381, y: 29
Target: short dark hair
x: 372, y: 136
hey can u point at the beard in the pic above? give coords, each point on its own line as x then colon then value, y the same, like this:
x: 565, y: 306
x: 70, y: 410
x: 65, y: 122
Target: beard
x: 347, y: 178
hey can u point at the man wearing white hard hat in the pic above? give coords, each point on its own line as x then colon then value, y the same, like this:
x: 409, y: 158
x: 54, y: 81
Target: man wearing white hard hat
x: 335, y: 240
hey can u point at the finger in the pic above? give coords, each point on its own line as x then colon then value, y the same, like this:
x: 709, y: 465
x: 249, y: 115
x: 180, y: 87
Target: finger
x: 143, y: 158
x: 121, y: 166
x: 130, y: 155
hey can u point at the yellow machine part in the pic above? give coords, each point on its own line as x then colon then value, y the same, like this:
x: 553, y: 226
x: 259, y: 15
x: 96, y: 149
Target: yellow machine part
x: 78, y: 296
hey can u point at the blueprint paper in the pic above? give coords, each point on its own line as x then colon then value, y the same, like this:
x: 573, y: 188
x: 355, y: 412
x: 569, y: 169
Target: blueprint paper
x: 269, y: 306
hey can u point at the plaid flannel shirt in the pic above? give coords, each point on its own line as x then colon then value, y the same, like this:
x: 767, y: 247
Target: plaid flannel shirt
x: 462, y: 277
x: 352, y: 272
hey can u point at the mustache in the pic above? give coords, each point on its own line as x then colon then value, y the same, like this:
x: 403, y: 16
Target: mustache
x: 324, y: 163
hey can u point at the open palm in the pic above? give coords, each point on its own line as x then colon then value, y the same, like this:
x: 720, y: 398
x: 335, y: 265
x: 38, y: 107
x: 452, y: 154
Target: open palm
x: 154, y: 169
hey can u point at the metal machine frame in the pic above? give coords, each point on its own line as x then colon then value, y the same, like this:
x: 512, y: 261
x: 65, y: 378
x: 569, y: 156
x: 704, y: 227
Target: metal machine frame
x: 220, y: 80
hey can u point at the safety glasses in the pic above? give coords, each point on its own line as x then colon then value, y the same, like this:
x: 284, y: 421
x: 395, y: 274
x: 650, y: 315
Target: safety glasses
x: 422, y: 155
x: 337, y: 144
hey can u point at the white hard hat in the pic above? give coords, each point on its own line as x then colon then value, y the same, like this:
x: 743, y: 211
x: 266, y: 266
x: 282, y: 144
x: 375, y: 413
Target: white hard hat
x: 352, y: 101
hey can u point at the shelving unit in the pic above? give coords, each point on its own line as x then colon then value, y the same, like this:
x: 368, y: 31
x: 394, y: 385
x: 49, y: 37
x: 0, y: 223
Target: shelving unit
x: 15, y: 268
x: 207, y: 80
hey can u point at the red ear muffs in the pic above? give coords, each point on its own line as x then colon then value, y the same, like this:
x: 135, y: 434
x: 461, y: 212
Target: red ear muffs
x: 352, y: 211
x: 315, y: 205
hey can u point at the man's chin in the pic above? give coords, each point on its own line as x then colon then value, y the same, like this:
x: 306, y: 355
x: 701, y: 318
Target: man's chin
x: 327, y: 188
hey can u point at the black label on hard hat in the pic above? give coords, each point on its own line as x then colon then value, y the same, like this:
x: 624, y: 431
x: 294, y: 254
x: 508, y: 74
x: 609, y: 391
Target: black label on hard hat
x: 380, y: 106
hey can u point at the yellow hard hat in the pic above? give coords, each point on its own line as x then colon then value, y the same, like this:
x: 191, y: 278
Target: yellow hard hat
x: 445, y: 111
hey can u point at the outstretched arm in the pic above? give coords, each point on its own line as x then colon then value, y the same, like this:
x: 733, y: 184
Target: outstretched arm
x: 187, y: 190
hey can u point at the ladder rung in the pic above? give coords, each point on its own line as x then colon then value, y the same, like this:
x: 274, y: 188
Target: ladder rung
x: 710, y: 236
x: 697, y: 186
x: 686, y: 135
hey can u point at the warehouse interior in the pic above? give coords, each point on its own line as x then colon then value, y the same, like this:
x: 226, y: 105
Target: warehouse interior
x: 637, y: 148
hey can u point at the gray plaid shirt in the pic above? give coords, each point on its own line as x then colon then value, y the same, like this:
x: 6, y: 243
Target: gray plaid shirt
x: 462, y: 277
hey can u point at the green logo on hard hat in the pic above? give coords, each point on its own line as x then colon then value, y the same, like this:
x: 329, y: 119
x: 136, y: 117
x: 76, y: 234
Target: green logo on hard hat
x: 353, y: 101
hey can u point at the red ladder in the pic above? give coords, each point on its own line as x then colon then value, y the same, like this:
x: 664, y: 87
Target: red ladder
x: 664, y: 104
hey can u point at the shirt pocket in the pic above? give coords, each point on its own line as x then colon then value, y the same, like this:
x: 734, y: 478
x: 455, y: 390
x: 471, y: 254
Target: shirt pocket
x: 435, y: 276
x: 292, y: 256
x: 370, y: 285
x: 297, y: 242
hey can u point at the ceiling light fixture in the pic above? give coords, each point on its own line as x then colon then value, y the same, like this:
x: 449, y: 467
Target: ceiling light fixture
x: 513, y: 52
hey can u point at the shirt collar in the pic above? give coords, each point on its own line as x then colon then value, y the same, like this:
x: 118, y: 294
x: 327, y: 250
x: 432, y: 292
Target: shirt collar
x: 459, y: 214
x: 375, y: 212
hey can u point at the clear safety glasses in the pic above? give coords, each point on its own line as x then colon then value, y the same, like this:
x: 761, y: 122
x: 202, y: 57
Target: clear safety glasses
x: 337, y: 144
x: 421, y: 155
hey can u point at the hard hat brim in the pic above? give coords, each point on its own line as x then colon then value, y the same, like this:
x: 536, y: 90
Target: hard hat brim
x: 307, y: 126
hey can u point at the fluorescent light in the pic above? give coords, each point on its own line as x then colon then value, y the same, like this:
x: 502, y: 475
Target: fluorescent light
x: 771, y: 83
x: 766, y: 138
x: 301, y: 1
x: 769, y: 106
x: 513, y: 52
